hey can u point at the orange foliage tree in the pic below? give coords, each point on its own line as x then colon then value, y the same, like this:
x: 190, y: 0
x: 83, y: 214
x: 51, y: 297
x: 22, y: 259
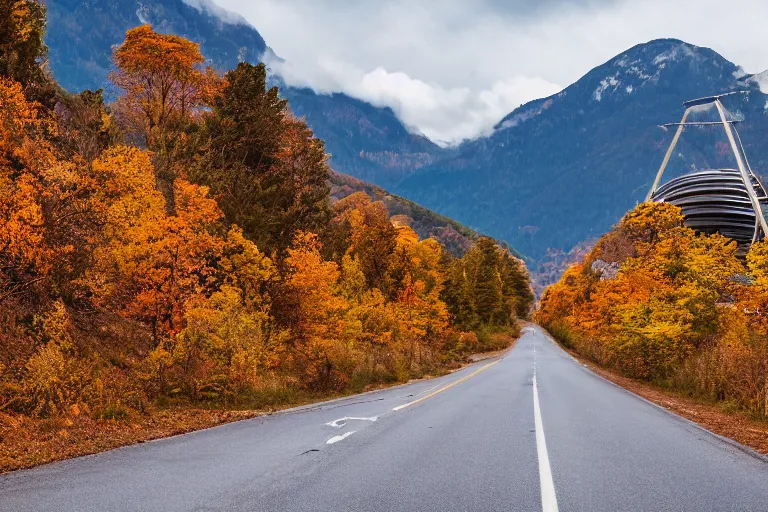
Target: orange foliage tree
x: 164, y: 86
x: 317, y: 304
x: 149, y: 264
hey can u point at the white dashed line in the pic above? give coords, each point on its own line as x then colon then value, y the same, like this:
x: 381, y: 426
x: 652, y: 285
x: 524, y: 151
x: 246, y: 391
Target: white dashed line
x: 336, y: 439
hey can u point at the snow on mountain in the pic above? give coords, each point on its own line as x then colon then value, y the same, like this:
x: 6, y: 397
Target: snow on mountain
x: 563, y: 169
x: 630, y: 72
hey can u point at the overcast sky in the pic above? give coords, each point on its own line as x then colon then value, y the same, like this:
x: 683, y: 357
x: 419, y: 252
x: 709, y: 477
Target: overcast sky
x: 451, y: 69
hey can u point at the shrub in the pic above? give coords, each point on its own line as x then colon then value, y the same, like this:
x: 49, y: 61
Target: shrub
x: 50, y: 381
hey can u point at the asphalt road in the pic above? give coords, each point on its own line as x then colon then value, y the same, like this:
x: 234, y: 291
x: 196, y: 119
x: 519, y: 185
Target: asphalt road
x: 534, y: 430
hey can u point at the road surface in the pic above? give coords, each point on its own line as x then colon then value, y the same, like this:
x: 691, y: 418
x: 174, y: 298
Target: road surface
x: 531, y: 431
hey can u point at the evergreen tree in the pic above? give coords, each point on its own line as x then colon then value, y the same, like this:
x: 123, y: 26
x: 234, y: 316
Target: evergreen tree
x: 457, y: 293
x: 266, y: 170
x: 487, y: 287
x: 516, y: 288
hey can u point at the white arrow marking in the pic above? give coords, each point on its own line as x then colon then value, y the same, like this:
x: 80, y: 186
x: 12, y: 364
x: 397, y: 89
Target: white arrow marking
x: 343, y: 421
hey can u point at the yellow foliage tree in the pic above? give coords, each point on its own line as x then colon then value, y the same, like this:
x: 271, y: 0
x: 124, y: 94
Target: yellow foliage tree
x: 662, y: 305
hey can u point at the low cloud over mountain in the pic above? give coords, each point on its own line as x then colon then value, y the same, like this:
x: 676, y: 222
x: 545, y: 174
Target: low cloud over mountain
x: 448, y: 67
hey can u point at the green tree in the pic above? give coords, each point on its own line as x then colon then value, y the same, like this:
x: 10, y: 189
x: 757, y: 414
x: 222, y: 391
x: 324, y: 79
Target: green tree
x: 457, y: 293
x: 487, y: 289
x: 266, y: 170
x: 516, y: 286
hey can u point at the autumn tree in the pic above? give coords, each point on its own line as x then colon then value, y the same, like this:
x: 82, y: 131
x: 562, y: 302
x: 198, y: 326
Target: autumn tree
x: 659, y: 308
x: 149, y: 264
x: 361, y: 227
x: 86, y: 126
x: 423, y: 316
x: 165, y: 244
x: 163, y: 86
x: 313, y: 285
x: 22, y: 49
x: 26, y: 160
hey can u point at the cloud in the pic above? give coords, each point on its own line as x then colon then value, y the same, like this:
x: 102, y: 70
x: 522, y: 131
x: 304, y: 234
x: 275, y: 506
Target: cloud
x: 445, y: 66
x: 209, y: 7
x: 445, y: 115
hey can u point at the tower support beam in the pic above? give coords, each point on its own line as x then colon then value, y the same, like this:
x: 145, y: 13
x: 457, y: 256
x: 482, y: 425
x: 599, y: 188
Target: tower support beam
x: 668, y: 155
x: 743, y: 170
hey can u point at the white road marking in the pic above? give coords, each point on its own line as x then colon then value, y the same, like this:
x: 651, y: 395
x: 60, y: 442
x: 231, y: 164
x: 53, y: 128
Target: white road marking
x: 454, y: 383
x: 343, y: 421
x: 548, y: 496
x: 336, y: 439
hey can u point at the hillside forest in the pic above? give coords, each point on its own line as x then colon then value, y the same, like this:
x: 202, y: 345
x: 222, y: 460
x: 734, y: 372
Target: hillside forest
x: 179, y: 246
x: 658, y: 302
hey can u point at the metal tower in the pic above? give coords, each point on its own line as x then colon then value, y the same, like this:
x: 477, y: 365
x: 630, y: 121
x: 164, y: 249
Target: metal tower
x: 731, y: 202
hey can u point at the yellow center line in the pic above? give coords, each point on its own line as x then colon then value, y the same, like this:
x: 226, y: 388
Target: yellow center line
x: 449, y: 386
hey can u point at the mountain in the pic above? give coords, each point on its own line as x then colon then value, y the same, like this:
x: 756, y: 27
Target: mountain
x: 82, y: 33
x: 363, y: 140
x: 563, y: 169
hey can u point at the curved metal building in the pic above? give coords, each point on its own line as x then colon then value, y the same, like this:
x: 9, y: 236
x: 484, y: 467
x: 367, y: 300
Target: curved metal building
x: 714, y: 201
x: 731, y: 202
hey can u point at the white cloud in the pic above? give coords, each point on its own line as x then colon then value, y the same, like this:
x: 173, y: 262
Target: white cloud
x: 761, y: 80
x: 209, y: 6
x: 445, y: 115
x: 451, y: 64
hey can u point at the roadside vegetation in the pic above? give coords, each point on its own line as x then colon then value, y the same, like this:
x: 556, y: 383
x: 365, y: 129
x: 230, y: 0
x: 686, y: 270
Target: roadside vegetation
x: 659, y: 303
x: 177, y: 250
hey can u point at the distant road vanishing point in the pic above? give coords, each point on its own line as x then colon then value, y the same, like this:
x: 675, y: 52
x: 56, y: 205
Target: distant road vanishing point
x: 533, y: 430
